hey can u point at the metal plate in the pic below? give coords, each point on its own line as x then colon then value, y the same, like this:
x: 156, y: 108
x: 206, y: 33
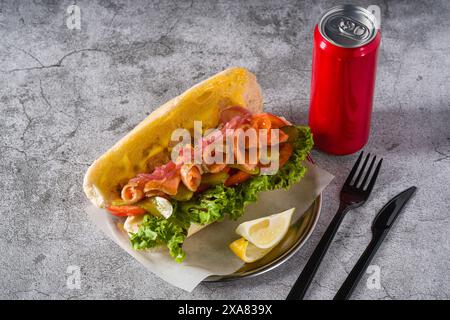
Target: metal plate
x: 296, y: 237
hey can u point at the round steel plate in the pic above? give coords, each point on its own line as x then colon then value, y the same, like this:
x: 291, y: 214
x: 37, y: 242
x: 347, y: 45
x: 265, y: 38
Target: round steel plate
x: 297, y: 235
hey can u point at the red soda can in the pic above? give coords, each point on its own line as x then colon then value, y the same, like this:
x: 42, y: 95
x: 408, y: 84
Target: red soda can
x: 346, y: 42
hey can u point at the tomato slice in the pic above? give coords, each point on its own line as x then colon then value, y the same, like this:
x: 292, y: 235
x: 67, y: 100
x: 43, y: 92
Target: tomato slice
x: 124, y: 211
x: 269, y: 121
x: 237, y: 178
x: 276, y: 122
x: 285, y: 153
x: 283, y: 137
x: 260, y: 121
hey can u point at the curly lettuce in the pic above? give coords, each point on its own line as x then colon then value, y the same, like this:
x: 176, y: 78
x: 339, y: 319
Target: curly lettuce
x: 219, y: 202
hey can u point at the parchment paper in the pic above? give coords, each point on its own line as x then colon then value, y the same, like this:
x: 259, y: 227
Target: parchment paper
x: 207, y: 251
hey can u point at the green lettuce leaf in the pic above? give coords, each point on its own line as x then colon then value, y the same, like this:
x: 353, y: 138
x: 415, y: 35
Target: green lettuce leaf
x: 219, y: 202
x: 156, y: 231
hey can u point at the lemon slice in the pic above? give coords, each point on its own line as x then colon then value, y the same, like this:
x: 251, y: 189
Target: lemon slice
x: 267, y: 232
x: 247, y: 251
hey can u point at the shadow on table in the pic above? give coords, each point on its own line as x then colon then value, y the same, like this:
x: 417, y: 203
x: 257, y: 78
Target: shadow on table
x: 405, y: 132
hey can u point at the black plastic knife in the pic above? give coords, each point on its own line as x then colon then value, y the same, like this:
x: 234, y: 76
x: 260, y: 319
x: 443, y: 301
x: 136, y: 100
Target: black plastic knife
x: 380, y: 228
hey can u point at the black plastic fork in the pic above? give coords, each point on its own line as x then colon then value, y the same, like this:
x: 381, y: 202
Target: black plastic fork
x: 353, y: 195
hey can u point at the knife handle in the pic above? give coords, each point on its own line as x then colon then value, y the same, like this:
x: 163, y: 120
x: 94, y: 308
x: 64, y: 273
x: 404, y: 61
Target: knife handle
x: 355, y: 275
x: 303, y: 282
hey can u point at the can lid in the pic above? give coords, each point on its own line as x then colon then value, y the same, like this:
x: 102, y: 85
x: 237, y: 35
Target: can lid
x: 348, y: 26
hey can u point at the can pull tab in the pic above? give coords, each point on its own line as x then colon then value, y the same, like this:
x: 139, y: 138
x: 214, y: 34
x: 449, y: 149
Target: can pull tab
x: 351, y: 28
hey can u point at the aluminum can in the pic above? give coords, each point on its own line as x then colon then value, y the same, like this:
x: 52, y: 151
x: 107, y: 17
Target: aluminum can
x: 346, y: 42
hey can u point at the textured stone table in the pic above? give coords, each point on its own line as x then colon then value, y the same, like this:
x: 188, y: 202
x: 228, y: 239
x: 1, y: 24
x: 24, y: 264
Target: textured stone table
x: 67, y: 95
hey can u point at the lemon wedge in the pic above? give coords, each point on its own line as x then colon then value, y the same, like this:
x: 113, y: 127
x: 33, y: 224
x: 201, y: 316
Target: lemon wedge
x: 247, y: 251
x: 267, y: 232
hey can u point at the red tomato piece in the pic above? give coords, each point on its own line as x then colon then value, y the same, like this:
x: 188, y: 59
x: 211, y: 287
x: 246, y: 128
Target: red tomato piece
x: 276, y: 122
x: 124, y: 211
x: 237, y: 178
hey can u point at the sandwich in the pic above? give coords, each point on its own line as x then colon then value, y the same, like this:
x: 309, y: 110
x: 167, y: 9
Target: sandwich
x: 163, y: 190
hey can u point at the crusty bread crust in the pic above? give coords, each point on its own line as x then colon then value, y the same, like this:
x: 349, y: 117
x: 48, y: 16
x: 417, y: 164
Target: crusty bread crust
x: 134, y: 143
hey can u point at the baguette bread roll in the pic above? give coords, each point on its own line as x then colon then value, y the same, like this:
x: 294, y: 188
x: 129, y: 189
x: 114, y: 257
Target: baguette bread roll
x: 147, y: 145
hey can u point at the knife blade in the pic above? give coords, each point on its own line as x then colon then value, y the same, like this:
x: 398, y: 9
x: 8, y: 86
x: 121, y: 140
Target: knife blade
x: 380, y: 228
x: 389, y: 213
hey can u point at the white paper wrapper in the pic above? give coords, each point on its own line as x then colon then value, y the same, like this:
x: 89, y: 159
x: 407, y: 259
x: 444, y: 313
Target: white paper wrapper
x: 207, y: 251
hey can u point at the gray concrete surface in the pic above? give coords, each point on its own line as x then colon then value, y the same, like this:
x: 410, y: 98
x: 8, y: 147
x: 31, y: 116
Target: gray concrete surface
x: 67, y: 95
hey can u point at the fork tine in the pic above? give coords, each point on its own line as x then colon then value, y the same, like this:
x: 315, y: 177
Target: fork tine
x: 355, y: 167
x: 361, y: 171
x: 363, y: 183
x: 374, y: 177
